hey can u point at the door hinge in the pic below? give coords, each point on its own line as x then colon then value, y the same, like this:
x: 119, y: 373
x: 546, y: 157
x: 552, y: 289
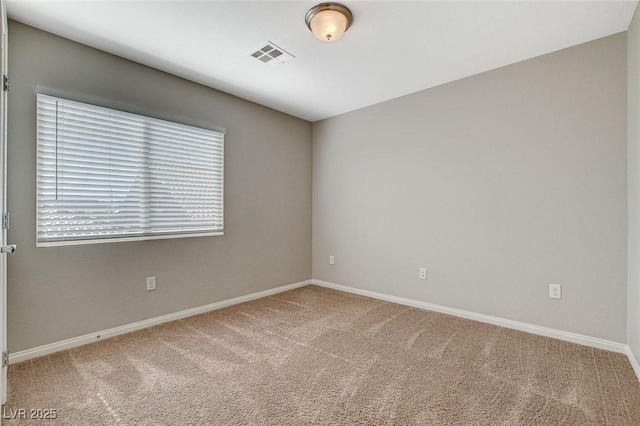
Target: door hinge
x: 5, y: 358
x: 5, y: 83
x: 5, y: 220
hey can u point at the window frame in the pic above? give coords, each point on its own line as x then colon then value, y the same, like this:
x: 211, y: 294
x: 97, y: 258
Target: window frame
x: 115, y: 238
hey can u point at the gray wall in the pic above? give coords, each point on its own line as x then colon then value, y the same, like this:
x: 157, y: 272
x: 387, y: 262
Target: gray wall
x: 499, y: 184
x: 633, y: 302
x: 62, y: 292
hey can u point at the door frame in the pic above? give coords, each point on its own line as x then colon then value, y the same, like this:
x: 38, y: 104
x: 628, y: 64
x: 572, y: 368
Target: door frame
x: 4, y: 359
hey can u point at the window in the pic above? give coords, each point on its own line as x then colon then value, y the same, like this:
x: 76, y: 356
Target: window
x: 106, y: 175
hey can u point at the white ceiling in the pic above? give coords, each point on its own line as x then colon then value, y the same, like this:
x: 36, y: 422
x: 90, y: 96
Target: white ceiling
x: 392, y: 49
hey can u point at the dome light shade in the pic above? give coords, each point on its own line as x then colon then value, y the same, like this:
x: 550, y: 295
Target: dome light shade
x: 328, y: 21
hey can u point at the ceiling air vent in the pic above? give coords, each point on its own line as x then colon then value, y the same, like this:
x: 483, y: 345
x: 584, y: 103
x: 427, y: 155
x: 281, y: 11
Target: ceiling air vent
x: 270, y: 54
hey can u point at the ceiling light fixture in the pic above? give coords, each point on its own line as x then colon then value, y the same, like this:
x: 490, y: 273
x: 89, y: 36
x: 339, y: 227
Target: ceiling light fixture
x: 328, y: 21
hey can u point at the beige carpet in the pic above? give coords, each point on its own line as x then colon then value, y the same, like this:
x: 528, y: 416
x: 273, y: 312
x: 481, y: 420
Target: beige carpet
x: 314, y: 356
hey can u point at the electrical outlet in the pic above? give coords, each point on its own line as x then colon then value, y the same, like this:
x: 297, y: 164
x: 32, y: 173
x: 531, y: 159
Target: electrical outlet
x: 151, y: 283
x: 422, y: 273
x: 332, y: 260
x: 555, y: 291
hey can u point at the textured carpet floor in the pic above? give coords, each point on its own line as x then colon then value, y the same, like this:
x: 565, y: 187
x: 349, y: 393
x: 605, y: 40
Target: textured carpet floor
x: 314, y: 356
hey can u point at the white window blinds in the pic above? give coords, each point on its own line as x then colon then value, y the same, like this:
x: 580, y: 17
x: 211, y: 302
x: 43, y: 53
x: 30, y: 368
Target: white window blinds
x: 110, y: 175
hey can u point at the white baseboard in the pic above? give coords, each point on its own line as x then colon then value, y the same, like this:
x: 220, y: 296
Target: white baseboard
x: 634, y: 362
x: 93, y: 337
x: 516, y: 325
